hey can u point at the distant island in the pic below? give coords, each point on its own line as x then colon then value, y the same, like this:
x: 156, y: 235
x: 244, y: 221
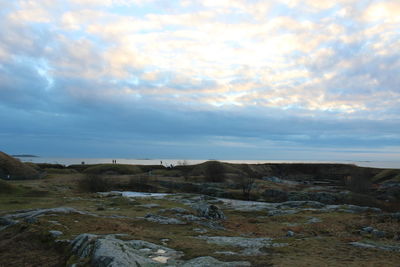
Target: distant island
x: 25, y: 156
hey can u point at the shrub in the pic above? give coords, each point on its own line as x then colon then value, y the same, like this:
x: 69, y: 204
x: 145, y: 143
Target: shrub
x: 60, y: 171
x: 358, y: 182
x: 141, y: 184
x: 214, y: 172
x: 12, y: 168
x: 94, y: 183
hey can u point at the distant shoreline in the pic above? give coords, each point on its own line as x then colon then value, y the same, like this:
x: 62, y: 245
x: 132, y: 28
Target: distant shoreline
x: 174, y: 162
x: 25, y: 156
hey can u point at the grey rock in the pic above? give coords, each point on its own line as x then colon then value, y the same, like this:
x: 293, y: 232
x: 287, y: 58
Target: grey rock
x: 56, y: 233
x: 248, y: 206
x: 209, y: 211
x: 359, y: 209
x: 39, y: 212
x: 226, y: 253
x: 290, y: 234
x: 162, y: 219
x: 208, y: 261
x: 314, y: 220
x: 110, y: 251
x: 250, y: 246
x: 375, y: 246
x: 368, y: 229
x: 200, y: 230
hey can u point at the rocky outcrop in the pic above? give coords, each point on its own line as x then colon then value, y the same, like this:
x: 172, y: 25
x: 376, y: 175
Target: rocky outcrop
x: 162, y: 219
x: 209, y: 211
x: 249, y: 246
x: 30, y: 216
x: 375, y: 246
x: 291, y: 207
x: 108, y: 251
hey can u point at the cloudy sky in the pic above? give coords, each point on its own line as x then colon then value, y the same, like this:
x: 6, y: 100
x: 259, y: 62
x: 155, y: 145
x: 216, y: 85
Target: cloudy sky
x: 198, y: 79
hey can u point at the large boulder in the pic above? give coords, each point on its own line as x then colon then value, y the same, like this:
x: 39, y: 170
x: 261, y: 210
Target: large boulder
x: 13, y: 169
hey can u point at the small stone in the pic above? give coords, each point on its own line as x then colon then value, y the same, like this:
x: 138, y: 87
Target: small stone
x: 209, y: 211
x: 379, y: 234
x: 161, y: 259
x: 290, y: 234
x: 200, y: 230
x: 368, y: 229
x: 164, y: 241
x: 55, y: 233
x: 314, y: 220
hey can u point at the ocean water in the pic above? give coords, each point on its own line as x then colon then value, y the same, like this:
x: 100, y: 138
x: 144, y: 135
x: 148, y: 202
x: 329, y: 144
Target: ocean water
x: 174, y: 162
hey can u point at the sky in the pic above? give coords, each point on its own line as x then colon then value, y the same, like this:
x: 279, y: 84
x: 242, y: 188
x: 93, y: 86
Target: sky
x: 201, y: 79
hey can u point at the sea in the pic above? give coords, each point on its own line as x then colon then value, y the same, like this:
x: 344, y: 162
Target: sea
x: 175, y: 162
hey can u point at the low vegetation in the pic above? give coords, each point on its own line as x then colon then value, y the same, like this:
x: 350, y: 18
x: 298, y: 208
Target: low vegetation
x: 319, y: 238
x: 12, y: 168
x: 94, y: 183
x: 113, y: 169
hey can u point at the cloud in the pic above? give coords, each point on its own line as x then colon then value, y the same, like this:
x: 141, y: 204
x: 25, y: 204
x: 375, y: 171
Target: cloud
x: 282, y: 73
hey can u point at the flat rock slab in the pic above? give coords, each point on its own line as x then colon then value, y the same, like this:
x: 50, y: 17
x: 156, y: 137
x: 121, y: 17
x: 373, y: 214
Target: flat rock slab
x: 250, y: 246
x: 38, y: 212
x: 162, y: 219
x: 375, y: 246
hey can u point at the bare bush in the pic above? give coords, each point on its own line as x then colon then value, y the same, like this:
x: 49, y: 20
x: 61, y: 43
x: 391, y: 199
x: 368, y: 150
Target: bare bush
x: 94, y: 183
x: 358, y: 182
x: 246, y: 183
x: 141, y: 184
